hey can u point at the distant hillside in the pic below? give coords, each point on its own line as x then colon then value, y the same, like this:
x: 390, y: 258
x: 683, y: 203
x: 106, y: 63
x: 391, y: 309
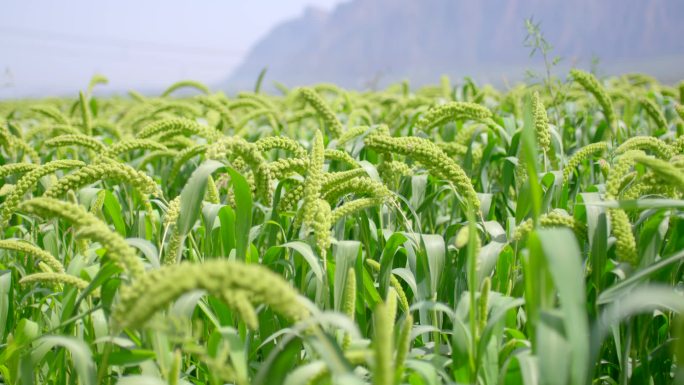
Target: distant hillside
x: 363, y: 41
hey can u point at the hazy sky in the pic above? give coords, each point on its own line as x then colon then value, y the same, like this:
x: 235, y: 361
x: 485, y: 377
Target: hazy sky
x: 56, y: 46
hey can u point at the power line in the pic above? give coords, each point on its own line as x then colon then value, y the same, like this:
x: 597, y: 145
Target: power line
x: 65, y: 38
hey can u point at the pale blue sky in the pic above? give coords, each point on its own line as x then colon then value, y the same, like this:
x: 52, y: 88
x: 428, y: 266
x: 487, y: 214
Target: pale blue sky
x: 49, y: 47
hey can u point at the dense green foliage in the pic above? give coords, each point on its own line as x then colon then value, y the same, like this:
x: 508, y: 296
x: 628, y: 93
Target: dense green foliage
x: 442, y: 235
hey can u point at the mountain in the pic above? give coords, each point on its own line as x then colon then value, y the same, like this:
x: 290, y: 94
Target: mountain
x: 362, y: 42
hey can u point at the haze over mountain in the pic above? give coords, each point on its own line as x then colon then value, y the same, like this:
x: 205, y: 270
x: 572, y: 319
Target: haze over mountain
x: 362, y: 42
x: 53, y: 48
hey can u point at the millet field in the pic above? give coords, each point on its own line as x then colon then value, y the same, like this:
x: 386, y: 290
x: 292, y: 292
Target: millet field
x: 455, y: 234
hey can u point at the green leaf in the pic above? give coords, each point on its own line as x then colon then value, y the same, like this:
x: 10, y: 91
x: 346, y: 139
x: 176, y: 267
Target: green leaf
x: 131, y: 357
x: 148, y: 249
x: 140, y: 380
x: 487, y: 258
x: 427, y: 371
x: 314, y: 262
x: 229, y: 338
x: 243, y: 212
x: 304, y: 373
x: 641, y: 300
x: 5, y: 300
x: 260, y: 79
x: 305, y: 250
x: 502, y: 305
x: 227, y: 218
x: 185, y: 305
x: 81, y: 356
x: 554, y: 350
x: 529, y: 157
x: 435, y: 249
x: 104, y: 274
x: 528, y: 366
x: 193, y: 194
x: 597, y: 231
x: 345, y: 258
x: 640, y: 204
x: 623, y: 287
x: 565, y: 266
x: 386, y: 261
x: 113, y: 209
x: 279, y: 363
